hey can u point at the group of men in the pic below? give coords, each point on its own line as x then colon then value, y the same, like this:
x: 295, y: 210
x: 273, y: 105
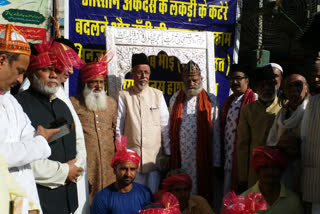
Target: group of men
x: 64, y: 157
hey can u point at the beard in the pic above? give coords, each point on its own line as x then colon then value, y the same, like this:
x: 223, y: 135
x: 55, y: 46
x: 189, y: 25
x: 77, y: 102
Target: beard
x: 191, y: 92
x: 140, y: 86
x: 94, y: 101
x: 43, y: 88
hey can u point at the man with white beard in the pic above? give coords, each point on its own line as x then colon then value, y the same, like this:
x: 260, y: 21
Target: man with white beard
x: 194, y: 131
x: 56, y: 176
x: 98, y: 114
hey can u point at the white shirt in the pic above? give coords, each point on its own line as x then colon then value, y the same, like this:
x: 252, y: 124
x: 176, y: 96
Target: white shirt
x: 164, y: 122
x: 19, y: 144
x: 230, y: 130
x: 82, y: 181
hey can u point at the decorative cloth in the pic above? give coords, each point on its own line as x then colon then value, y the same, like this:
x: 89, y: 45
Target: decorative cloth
x: 94, y: 69
x: 122, y: 154
x: 191, y: 69
x: 265, y: 155
x: 244, y: 205
x: 139, y: 59
x: 248, y: 97
x: 204, y: 134
x: 168, y: 201
x: 57, y: 54
x: 13, y: 41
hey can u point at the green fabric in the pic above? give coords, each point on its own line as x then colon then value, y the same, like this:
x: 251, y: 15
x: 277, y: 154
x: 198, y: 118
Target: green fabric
x: 287, y: 203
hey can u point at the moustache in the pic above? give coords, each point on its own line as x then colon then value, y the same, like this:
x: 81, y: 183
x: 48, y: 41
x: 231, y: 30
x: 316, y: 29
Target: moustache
x: 234, y: 85
x: 53, y: 81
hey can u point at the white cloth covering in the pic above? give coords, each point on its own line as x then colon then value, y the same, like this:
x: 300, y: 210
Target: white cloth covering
x: 19, y: 144
x: 188, y: 134
x: 281, y: 124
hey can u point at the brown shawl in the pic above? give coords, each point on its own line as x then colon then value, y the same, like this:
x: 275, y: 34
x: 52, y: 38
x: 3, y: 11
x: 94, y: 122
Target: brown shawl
x: 204, y: 140
x: 248, y: 97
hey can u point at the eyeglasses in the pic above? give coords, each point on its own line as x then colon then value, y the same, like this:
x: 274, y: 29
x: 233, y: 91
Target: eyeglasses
x: 238, y: 79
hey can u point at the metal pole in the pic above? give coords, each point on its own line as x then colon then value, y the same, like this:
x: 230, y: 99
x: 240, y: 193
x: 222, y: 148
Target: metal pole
x: 54, y: 15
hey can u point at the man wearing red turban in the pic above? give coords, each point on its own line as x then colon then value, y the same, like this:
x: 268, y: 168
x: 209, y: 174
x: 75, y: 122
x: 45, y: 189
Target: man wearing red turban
x: 269, y: 163
x: 98, y: 114
x: 20, y: 143
x: 124, y: 195
x: 180, y: 186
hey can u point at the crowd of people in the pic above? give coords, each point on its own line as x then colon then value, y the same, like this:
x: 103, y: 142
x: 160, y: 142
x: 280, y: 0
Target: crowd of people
x: 95, y: 154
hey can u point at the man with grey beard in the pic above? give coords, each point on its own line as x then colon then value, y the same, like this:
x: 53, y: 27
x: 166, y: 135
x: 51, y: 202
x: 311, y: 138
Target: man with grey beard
x: 143, y: 117
x: 194, y: 130
x: 56, y: 176
x: 98, y: 114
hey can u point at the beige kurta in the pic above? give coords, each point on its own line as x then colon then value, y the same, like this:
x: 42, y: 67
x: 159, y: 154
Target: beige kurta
x: 142, y: 124
x: 99, y: 132
x: 253, y: 129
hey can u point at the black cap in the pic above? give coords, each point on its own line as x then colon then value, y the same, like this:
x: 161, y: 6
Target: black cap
x: 138, y: 59
x: 263, y: 73
x: 239, y: 68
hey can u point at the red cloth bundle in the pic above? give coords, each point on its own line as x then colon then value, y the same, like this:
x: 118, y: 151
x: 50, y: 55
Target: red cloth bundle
x: 244, y: 205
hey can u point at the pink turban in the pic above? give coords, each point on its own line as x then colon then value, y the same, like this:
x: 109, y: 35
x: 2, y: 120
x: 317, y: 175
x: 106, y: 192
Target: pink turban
x: 57, y: 54
x: 263, y: 156
x: 94, y: 69
x: 122, y: 154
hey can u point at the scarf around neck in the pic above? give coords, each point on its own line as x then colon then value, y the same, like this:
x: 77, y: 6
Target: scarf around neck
x: 204, y: 138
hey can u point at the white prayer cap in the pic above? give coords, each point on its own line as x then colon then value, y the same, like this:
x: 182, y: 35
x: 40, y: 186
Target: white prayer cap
x: 275, y: 65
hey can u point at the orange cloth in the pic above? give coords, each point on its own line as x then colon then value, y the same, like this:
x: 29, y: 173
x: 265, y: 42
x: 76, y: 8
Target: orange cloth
x: 13, y: 41
x: 204, y: 138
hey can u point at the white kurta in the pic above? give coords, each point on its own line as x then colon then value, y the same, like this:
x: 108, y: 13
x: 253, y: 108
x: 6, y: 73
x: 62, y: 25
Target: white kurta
x: 188, y: 134
x: 19, y: 145
x: 82, y: 182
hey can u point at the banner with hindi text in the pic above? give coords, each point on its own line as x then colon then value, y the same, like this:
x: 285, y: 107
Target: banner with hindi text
x: 88, y: 20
